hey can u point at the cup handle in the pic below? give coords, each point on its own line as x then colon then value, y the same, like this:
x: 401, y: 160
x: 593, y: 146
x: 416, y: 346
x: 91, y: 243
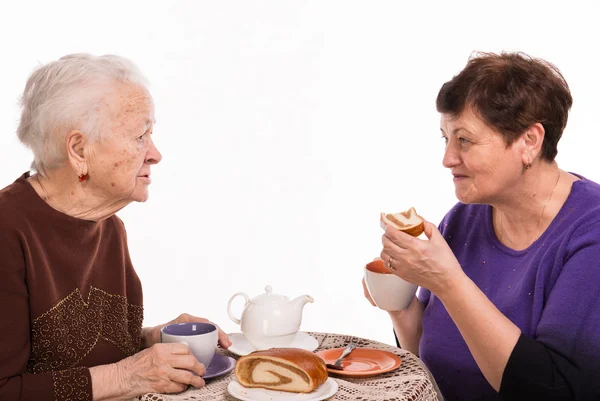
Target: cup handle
x: 231, y: 316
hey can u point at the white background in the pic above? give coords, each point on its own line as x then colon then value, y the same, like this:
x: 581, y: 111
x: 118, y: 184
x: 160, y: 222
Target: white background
x: 287, y: 126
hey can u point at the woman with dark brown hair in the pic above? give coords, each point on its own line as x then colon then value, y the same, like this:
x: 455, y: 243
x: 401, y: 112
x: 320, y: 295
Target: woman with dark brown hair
x: 509, y: 306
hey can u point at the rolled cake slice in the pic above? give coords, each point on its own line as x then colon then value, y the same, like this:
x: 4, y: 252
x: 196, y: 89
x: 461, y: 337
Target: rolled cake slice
x: 284, y: 369
x: 409, y: 221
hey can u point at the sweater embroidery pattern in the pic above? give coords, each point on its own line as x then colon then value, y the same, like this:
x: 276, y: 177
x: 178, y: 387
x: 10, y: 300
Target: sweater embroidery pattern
x: 69, y: 331
x: 71, y: 384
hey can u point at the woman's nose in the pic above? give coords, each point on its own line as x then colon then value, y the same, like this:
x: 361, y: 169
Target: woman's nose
x: 153, y: 156
x: 451, y: 156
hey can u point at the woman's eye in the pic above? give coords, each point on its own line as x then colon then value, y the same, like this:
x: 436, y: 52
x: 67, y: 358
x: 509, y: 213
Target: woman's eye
x: 463, y: 140
x: 445, y: 139
x: 141, y: 137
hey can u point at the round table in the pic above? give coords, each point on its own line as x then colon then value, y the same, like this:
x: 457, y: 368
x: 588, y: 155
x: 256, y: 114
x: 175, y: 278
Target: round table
x: 412, y: 381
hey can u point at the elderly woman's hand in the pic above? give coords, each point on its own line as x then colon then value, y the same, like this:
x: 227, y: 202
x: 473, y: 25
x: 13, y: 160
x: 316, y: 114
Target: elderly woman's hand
x: 162, y: 368
x: 151, y: 335
x: 430, y: 264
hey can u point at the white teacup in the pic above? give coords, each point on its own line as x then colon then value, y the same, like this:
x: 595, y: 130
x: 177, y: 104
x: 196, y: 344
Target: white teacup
x: 388, y: 291
x: 202, y: 339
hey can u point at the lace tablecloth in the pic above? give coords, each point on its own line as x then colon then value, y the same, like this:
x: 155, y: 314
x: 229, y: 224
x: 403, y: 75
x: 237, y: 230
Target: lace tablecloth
x: 410, y: 382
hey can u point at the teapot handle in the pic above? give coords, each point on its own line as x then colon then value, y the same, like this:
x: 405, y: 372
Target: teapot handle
x: 233, y: 318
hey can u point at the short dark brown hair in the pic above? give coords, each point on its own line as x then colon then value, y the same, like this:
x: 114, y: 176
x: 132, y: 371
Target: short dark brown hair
x: 510, y: 92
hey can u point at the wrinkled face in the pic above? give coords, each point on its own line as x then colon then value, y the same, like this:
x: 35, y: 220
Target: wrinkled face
x: 119, y: 163
x: 483, y: 167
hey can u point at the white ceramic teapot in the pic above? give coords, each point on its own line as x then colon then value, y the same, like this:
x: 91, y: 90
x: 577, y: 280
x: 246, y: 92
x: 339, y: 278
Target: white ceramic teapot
x: 270, y: 320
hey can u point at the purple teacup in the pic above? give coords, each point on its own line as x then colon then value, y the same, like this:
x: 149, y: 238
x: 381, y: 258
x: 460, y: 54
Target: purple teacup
x: 202, y: 338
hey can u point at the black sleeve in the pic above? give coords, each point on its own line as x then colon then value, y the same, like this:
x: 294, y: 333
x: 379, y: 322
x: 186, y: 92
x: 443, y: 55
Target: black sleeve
x: 535, y: 372
x: 396, y: 338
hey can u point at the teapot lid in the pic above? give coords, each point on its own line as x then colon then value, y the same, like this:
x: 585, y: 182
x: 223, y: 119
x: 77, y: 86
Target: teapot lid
x: 269, y: 297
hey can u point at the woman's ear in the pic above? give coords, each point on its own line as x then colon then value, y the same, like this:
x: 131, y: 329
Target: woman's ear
x: 76, y: 151
x: 532, y: 140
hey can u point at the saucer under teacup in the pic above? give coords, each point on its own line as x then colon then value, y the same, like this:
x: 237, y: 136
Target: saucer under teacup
x: 241, y: 346
x: 220, y: 365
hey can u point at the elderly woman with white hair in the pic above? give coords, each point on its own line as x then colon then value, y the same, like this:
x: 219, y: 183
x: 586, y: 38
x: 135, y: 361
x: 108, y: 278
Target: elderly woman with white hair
x: 71, y: 326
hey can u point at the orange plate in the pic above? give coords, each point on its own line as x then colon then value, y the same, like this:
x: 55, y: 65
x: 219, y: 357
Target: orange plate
x: 362, y: 362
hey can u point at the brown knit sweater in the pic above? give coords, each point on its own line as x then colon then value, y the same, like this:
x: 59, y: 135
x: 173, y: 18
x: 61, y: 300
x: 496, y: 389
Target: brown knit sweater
x: 69, y: 298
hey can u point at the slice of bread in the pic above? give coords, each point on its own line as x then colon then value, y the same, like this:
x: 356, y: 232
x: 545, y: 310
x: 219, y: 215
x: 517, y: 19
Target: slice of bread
x: 409, y: 221
x: 283, y: 369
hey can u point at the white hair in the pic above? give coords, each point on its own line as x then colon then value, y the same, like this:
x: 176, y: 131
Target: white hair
x: 68, y: 94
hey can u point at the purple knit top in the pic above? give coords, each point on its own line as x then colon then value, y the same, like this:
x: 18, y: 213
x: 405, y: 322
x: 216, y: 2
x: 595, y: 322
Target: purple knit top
x: 550, y: 290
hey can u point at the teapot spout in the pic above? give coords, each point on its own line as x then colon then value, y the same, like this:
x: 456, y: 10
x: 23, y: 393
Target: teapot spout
x: 297, y: 304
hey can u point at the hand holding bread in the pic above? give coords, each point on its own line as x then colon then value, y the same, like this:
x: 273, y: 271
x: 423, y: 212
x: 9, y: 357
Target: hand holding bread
x: 409, y: 222
x: 427, y: 263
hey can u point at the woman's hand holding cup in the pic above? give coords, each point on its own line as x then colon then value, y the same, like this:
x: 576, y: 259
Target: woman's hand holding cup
x: 386, y: 290
x: 162, y: 368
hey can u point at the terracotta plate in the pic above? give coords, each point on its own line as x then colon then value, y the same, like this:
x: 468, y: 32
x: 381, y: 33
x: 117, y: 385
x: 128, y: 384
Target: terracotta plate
x: 362, y: 362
